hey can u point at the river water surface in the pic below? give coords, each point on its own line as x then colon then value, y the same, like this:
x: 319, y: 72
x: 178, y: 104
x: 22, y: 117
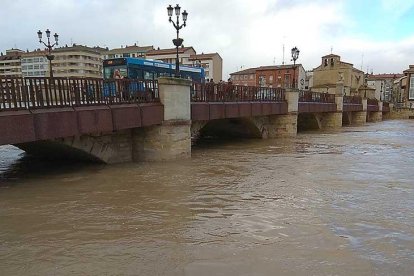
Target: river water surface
x: 337, y: 203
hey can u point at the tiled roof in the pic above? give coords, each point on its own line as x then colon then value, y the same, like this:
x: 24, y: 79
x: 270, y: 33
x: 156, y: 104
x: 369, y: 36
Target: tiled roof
x: 75, y: 47
x: 245, y: 72
x: 10, y: 57
x: 169, y: 51
x: 204, y: 56
x: 384, y: 76
x: 263, y: 68
x: 129, y: 49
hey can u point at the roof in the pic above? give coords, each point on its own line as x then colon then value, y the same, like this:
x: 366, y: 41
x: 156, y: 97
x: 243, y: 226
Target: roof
x: 263, y: 68
x: 278, y: 67
x: 133, y: 48
x: 14, y: 56
x: 330, y: 55
x: 203, y: 56
x: 169, y: 51
x: 245, y: 71
x: 366, y: 87
x: 75, y: 47
x: 35, y: 53
x: 384, y: 76
x: 410, y: 70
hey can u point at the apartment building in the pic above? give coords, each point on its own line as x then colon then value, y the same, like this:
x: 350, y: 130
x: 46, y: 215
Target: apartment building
x: 383, y: 84
x: 10, y: 64
x: 331, y: 70
x: 212, y: 64
x: 127, y: 51
x: 77, y: 61
x: 35, y: 64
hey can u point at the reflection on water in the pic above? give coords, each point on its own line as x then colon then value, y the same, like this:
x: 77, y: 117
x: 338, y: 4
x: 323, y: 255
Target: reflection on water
x: 337, y: 203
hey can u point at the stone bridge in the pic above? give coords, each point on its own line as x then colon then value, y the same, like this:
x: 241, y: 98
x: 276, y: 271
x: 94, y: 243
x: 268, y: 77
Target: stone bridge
x: 85, y: 119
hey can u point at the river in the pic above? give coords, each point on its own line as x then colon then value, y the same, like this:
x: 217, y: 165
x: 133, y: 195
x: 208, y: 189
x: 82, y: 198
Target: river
x: 324, y: 203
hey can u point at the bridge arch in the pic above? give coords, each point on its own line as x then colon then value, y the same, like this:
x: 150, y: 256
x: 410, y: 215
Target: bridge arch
x: 235, y: 127
x: 308, y: 121
x: 109, y: 148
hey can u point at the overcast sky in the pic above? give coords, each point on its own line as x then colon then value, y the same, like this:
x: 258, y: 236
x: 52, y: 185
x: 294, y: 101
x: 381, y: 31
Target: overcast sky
x: 373, y: 35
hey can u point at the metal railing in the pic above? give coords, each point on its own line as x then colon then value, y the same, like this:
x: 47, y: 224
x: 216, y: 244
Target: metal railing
x: 227, y: 92
x: 372, y: 102
x: 34, y: 92
x: 316, y: 97
x: 352, y: 100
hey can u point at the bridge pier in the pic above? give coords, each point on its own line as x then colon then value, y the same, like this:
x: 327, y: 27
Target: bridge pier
x: 286, y: 125
x: 360, y: 118
x: 334, y: 120
x: 172, y: 139
x: 376, y: 116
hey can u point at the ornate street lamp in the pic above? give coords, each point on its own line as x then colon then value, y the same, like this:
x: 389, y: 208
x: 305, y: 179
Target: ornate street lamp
x: 178, y: 41
x: 49, y: 56
x: 295, y: 56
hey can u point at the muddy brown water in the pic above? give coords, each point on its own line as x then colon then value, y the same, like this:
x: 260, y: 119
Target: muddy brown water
x: 331, y: 203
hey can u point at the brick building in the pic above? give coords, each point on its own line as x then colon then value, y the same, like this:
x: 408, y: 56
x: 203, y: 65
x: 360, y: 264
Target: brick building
x: 272, y: 76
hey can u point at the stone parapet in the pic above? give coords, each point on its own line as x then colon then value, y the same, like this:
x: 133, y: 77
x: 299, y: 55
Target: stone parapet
x: 175, y: 96
x: 292, y: 98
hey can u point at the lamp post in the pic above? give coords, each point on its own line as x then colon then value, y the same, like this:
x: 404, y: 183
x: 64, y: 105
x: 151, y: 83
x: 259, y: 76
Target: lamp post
x: 295, y: 56
x: 177, y: 41
x: 49, y: 56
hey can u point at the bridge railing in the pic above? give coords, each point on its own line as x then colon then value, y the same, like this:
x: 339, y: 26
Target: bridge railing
x: 227, y: 92
x: 34, y: 92
x: 352, y: 100
x: 372, y: 102
x: 316, y: 97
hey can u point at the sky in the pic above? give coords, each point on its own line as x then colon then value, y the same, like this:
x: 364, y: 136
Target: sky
x: 375, y: 36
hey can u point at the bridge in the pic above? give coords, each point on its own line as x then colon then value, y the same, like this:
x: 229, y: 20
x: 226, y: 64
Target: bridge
x: 116, y: 121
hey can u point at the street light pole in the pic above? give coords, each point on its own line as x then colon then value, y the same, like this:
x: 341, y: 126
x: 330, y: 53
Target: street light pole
x: 49, y: 56
x: 178, y: 41
x: 295, y: 55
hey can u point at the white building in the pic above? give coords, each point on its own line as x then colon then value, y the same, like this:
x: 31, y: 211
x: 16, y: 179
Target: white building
x: 212, y: 64
x: 35, y: 64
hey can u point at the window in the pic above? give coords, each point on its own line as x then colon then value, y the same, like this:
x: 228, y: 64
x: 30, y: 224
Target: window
x: 326, y: 62
x: 287, y: 83
x: 251, y: 76
x: 270, y: 79
x: 411, y: 92
x: 245, y: 77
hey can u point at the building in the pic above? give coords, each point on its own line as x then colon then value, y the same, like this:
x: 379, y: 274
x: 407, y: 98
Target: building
x: 246, y: 77
x: 169, y: 55
x: 332, y: 70
x: 77, y: 61
x: 35, y: 64
x: 409, y: 91
x: 127, y: 51
x: 383, y: 84
x: 309, y: 80
x: 398, y: 91
x: 271, y: 76
x: 212, y: 64
x: 10, y: 64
